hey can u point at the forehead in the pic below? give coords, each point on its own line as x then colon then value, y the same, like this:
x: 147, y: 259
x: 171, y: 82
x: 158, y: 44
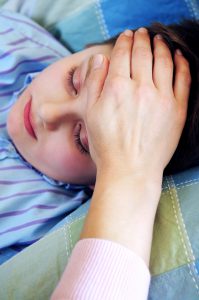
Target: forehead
x: 68, y: 61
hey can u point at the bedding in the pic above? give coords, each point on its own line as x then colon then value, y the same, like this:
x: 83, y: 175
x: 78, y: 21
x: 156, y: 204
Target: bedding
x: 77, y: 23
x: 34, y: 272
x: 30, y: 203
x: 174, y: 263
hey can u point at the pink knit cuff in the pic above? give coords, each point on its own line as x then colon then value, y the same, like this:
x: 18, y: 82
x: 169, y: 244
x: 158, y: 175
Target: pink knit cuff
x: 101, y: 269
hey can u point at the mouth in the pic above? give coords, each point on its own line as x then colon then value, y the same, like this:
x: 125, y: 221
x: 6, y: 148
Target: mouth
x: 27, y: 120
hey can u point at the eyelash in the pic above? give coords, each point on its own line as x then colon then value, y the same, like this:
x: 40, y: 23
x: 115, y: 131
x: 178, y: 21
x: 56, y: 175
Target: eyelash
x: 70, y: 79
x: 77, y: 134
x: 78, y: 142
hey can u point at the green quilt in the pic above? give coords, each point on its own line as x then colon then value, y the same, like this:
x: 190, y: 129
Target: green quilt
x: 174, y: 265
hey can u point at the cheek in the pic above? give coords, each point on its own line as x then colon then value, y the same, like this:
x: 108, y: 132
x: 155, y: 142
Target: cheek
x: 69, y: 165
x: 74, y: 163
x: 80, y: 170
x: 14, y: 123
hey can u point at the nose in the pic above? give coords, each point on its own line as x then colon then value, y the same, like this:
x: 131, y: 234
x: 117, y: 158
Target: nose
x: 53, y: 114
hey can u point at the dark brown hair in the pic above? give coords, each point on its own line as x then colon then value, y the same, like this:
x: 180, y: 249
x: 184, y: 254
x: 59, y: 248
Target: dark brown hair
x: 184, y: 36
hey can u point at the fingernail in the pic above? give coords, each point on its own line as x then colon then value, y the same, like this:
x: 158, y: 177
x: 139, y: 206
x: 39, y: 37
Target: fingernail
x: 179, y: 52
x: 128, y: 33
x: 142, y: 30
x: 98, y: 61
x: 158, y: 36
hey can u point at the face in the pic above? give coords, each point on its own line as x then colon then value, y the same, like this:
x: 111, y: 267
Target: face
x: 46, y: 122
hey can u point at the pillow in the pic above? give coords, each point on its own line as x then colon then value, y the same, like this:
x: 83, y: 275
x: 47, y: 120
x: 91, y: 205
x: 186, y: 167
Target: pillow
x: 174, y: 264
x: 94, y: 21
x: 78, y: 23
x: 30, y: 203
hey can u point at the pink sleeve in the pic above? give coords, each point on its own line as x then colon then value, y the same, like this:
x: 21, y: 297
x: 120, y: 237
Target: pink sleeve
x: 101, y: 269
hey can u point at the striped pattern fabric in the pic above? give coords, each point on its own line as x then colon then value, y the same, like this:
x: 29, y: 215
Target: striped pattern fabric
x: 30, y: 203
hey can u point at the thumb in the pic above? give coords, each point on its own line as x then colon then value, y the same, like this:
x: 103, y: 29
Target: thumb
x: 96, y: 75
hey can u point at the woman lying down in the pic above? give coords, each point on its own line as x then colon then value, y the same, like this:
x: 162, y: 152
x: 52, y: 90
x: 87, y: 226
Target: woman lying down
x: 105, y: 111
x: 52, y: 110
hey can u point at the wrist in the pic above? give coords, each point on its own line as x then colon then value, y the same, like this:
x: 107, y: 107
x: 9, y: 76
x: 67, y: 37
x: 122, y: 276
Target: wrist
x: 123, y: 209
x: 127, y: 176
x: 142, y: 192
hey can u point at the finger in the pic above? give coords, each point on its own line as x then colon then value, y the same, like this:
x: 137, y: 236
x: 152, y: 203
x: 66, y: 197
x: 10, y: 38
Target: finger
x: 96, y: 75
x: 121, y: 55
x: 182, y: 80
x: 163, y: 66
x: 142, y: 58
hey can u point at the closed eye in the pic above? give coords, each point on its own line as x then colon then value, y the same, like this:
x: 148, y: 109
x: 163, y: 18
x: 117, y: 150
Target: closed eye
x: 70, y: 81
x: 78, y: 142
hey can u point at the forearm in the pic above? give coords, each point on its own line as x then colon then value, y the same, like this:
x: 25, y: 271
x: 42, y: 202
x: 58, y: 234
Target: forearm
x: 123, y: 209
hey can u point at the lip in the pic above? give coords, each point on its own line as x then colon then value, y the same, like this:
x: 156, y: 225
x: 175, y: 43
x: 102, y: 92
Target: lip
x: 27, y: 119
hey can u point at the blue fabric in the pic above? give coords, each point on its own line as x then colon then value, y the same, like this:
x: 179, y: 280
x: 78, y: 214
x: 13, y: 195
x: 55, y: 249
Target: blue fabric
x: 31, y: 204
x: 142, y: 13
x: 99, y: 20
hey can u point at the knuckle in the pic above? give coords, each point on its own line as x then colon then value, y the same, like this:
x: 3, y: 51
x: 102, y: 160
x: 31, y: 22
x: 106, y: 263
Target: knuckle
x: 117, y: 83
x: 121, y: 51
x: 143, y: 52
x: 185, y: 76
x: 146, y: 91
x: 184, y: 72
x: 164, y: 60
